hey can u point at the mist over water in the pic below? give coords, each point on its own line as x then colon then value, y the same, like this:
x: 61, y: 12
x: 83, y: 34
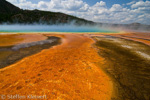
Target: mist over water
x: 51, y: 28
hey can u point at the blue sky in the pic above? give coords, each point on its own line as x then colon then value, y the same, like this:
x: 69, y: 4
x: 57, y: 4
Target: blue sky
x: 92, y: 2
x: 109, y: 2
x: 106, y: 11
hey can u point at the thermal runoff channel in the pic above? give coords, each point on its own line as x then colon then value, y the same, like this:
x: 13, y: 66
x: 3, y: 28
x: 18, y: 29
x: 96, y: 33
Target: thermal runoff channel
x: 51, y: 28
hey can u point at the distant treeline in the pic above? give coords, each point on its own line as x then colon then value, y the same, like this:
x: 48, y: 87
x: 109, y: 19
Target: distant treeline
x: 41, y: 17
x: 11, y: 14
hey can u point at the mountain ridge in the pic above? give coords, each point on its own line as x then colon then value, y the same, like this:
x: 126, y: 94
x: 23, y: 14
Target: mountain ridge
x: 6, y: 7
x: 12, y: 14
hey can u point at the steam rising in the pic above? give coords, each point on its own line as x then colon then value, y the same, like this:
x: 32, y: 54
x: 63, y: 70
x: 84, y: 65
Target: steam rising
x: 51, y: 28
x: 108, y: 28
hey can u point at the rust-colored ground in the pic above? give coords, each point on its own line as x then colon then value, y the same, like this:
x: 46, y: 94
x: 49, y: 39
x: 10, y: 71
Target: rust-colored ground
x: 13, y: 39
x: 7, y: 40
x: 127, y: 62
x: 68, y: 71
x: 139, y: 37
x: 27, y: 38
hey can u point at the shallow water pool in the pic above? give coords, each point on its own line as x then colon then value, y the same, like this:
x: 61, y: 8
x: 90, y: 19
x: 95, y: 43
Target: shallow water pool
x: 52, y: 28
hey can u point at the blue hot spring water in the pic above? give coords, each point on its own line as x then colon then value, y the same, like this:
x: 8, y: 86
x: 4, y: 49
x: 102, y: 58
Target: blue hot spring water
x: 51, y: 28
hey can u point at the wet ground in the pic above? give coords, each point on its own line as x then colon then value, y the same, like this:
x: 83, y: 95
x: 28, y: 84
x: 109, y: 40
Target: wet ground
x: 14, y: 53
x: 65, y: 72
x: 128, y: 63
x: 74, y: 69
x: 19, y: 38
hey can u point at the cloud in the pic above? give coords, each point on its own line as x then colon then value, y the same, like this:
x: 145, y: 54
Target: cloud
x: 13, y: 1
x: 100, y: 4
x: 116, y: 8
x: 26, y: 5
x: 132, y: 2
x: 72, y: 4
x: 141, y: 4
x: 137, y: 11
x: 42, y: 5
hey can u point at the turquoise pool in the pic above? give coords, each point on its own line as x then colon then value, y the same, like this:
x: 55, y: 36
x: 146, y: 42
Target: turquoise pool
x: 52, y: 28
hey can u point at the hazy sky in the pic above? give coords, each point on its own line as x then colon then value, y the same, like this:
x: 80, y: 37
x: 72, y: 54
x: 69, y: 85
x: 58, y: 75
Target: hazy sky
x: 108, y: 11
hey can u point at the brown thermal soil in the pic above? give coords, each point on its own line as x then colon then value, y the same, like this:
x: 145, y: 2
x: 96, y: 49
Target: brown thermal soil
x: 7, y: 40
x: 27, y: 38
x: 139, y: 37
x: 127, y: 62
x: 67, y: 71
x: 9, y: 56
x: 13, y: 39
